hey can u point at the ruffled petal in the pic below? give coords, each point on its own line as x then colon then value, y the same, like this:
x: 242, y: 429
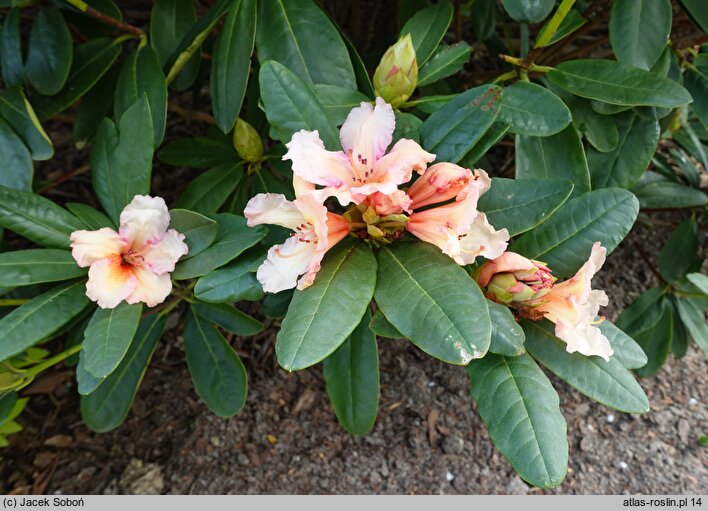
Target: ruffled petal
x: 482, y: 240
x: 87, y: 247
x: 398, y: 164
x: 366, y: 134
x: 284, y: 264
x: 314, y: 164
x: 392, y: 204
x: 508, y: 262
x: 585, y: 339
x: 440, y: 183
x: 272, y: 208
x: 110, y: 281
x: 152, y: 289
x: 580, y: 284
x: 162, y: 256
x: 143, y: 221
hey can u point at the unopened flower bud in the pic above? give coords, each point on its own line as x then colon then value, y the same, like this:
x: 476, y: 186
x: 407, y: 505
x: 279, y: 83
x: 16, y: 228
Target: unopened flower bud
x: 439, y: 183
x: 397, y: 74
x: 247, y: 141
x: 512, y: 278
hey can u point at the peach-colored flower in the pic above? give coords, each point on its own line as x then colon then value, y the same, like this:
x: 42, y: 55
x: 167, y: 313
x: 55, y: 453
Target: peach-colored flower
x: 363, y: 167
x: 440, y: 183
x: 133, y: 264
x: 315, y: 231
x: 512, y: 278
x: 392, y: 204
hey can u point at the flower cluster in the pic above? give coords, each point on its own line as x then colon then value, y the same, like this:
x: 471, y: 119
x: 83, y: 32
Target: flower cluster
x: 528, y: 286
x: 440, y: 207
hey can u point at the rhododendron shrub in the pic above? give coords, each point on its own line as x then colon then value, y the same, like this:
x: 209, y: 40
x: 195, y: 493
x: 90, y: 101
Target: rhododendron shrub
x: 241, y: 156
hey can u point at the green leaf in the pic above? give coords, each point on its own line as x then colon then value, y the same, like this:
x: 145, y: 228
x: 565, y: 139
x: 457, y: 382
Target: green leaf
x: 276, y: 306
x: 427, y: 28
x: 18, y: 112
x: 446, y: 61
x: 170, y: 22
x: 352, y: 377
x: 86, y: 383
x: 298, y: 35
x: 234, y: 237
x: 231, y: 62
x: 228, y: 317
x: 49, y: 52
x: 363, y: 81
x: 606, y: 108
x: 41, y: 317
x: 199, y: 231
x: 680, y: 251
x: 452, y: 131
x: 679, y: 335
x: 208, y: 192
x: 108, y: 336
x: 322, y: 316
x: 290, y: 105
x: 338, y: 101
x: 35, y: 266
x: 565, y: 240
x: 382, y: 327
x: 694, y: 319
x: 36, y: 218
x: 700, y: 281
x: 696, y: 9
x: 521, y: 410
x: 559, y: 156
x: 507, y: 335
x: 107, y: 407
x: 217, y: 372
x: 95, y: 105
x: 142, y: 75
x: 15, y: 160
x: 600, y: 130
x: 433, y: 302
x: 91, y: 61
x: 528, y: 11
x: 519, y: 205
x: 89, y: 216
x: 654, y: 191
x: 625, y: 164
x: 7, y: 403
x: 198, y: 153
x: 121, y: 159
x: 488, y: 140
x: 618, y: 84
x: 533, y: 110
x: 572, y: 22
x: 639, y: 30
x: 234, y: 282
x: 627, y: 351
x: 11, y: 50
x: 609, y: 383
x: 407, y: 126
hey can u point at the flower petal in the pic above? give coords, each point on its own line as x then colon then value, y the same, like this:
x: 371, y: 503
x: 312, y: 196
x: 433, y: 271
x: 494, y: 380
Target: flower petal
x: 391, y: 204
x: 585, y: 339
x: 366, y: 134
x: 579, y: 285
x: 272, y: 208
x: 110, y: 281
x: 482, y: 240
x: 152, y: 289
x: 313, y: 163
x: 398, y: 164
x: 163, y: 255
x: 87, y: 247
x: 439, y: 183
x: 284, y: 264
x: 144, y: 221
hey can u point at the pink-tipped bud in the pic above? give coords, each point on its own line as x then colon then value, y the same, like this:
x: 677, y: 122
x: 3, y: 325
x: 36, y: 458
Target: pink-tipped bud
x: 440, y: 183
x: 396, y: 76
x: 512, y: 278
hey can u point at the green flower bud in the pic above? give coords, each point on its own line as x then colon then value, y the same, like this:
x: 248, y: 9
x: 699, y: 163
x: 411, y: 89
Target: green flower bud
x: 397, y: 75
x: 247, y: 141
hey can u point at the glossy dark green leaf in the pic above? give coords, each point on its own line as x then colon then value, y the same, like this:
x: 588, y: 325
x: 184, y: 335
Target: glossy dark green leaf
x: 231, y: 62
x: 170, y: 21
x: 95, y: 105
x: 680, y: 251
x: 291, y: 105
x: 618, y: 84
x: 532, y: 110
x: 234, y: 237
x: 86, y: 383
x: 407, y: 126
x: 382, y: 327
x: 91, y: 61
x: 363, y: 81
x: 108, y: 406
x: 446, y: 61
x: 639, y: 30
x: 36, y: 218
x: 298, y: 35
x: 142, y: 75
x: 49, y: 52
x: 521, y: 410
x: 228, y: 317
x: 352, y: 377
x: 700, y: 281
x: 16, y: 170
x: 41, y: 317
x: 507, y: 335
x: 7, y: 403
x: 198, y: 153
x: 626, y: 349
x: 322, y: 316
x: 427, y: 28
x: 528, y: 11
x: 11, y: 50
x: 609, y: 383
x: 108, y: 336
x: 452, y: 131
x: 208, y: 192
x: 484, y: 21
x: 35, y: 266
x: 488, y: 140
x: 679, y: 335
x: 572, y: 22
x: 565, y: 240
x: 89, y: 216
x: 121, y: 159
x: 19, y: 114
x: 234, y: 282
x: 697, y: 10
x: 218, y: 374
x: 522, y: 204
x: 654, y: 191
x: 606, y: 108
x: 276, y: 306
x: 338, y: 101
x: 692, y: 315
x: 625, y: 164
x: 199, y: 231
x: 433, y: 302
x: 559, y: 156
x: 696, y: 82
x: 600, y: 130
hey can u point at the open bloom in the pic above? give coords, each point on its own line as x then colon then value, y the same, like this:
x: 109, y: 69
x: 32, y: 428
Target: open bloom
x: 363, y: 167
x: 133, y: 264
x: 315, y: 231
x: 457, y: 228
x: 512, y: 278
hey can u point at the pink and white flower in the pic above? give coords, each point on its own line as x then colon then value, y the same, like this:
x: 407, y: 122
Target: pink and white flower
x: 363, y: 167
x: 133, y: 264
x: 315, y: 231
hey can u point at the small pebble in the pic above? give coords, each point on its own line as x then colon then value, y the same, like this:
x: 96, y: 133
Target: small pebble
x: 623, y: 465
x: 610, y: 418
x: 431, y: 384
x: 449, y: 476
x: 692, y: 401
